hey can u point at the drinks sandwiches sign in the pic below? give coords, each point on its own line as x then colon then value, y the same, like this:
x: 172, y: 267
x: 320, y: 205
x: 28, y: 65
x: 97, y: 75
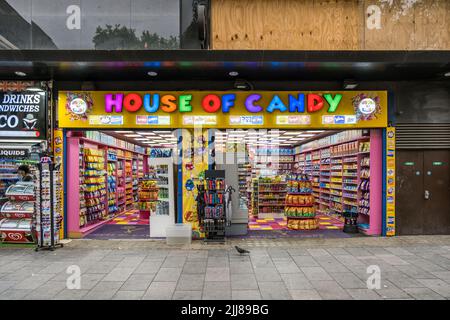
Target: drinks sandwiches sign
x: 23, y: 115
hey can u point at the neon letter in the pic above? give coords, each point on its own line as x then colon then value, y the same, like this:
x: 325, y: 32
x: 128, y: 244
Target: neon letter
x: 150, y: 108
x: 249, y: 103
x: 115, y: 101
x: 333, y: 102
x: 168, y: 103
x: 276, y: 103
x: 315, y: 102
x: 297, y: 104
x: 211, y: 103
x: 184, y: 104
x: 132, y: 102
x: 228, y: 102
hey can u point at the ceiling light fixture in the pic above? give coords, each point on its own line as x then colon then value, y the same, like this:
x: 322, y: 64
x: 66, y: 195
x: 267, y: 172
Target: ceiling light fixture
x: 292, y: 133
x: 233, y: 73
x: 447, y: 74
x: 20, y: 73
x: 145, y: 133
x: 124, y: 131
x: 152, y: 73
x: 133, y: 135
x: 350, y: 84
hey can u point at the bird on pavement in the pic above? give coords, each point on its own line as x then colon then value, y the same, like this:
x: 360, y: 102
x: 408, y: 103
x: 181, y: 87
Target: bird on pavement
x: 241, y: 251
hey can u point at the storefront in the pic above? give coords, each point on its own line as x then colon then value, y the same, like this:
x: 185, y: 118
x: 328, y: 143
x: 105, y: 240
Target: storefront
x: 148, y: 152
x: 30, y: 206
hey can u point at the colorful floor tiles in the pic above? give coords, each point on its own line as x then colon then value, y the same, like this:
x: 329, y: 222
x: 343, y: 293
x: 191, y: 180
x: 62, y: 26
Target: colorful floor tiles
x: 325, y: 223
x: 129, y: 218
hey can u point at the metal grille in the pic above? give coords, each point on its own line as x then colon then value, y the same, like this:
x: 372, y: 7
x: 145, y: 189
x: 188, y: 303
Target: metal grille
x: 423, y: 136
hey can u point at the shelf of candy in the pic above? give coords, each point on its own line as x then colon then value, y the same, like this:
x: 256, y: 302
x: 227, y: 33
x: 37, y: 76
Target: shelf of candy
x: 365, y: 162
x: 299, y: 202
x: 140, y: 166
x: 345, y: 149
x: 254, y: 197
x: 112, y: 155
x: 303, y: 224
x: 148, y: 194
x: 112, y: 188
x: 94, y: 186
x: 364, y: 204
x: 364, y: 147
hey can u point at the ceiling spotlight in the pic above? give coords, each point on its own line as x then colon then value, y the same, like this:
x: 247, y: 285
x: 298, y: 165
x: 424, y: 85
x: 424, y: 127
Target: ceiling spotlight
x: 447, y: 74
x: 133, y: 135
x: 20, y: 73
x: 152, y: 73
x: 233, y: 73
x: 240, y: 84
x: 350, y: 84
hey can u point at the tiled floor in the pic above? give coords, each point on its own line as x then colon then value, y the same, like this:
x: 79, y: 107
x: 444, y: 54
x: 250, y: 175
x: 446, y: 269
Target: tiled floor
x: 129, y: 218
x: 411, y: 268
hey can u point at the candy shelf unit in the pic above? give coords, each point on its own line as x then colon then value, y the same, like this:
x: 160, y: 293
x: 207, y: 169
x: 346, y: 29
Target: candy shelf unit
x: 278, y: 190
x: 374, y: 219
x: 73, y: 183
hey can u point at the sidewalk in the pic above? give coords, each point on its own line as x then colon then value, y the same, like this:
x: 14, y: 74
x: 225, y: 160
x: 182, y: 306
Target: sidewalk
x: 411, y: 268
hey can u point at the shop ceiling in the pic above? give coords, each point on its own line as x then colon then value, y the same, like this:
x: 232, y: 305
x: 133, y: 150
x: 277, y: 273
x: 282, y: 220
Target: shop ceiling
x: 221, y: 65
x: 257, y: 138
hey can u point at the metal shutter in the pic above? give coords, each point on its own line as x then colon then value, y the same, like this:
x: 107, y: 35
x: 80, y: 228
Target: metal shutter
x: 423, y: 136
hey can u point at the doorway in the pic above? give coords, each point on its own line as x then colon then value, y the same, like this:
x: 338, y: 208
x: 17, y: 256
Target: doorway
x: 423, y: 192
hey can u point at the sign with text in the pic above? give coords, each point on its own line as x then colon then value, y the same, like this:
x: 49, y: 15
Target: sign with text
x: 390, y: 181
x: 223, y: 109
x: 23, y: 115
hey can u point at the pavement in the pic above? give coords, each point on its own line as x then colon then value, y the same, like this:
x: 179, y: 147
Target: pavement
x: 416, y: 267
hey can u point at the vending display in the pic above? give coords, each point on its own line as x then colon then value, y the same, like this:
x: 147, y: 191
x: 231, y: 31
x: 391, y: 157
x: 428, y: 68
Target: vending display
x: 299, y: 203
x: 211, y: 205
x: 148, y: 196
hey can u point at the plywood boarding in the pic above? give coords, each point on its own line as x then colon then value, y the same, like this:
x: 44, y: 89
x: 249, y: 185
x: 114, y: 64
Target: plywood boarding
x: 432, y: 25
x: 329, y: 25
x: 286, y: 24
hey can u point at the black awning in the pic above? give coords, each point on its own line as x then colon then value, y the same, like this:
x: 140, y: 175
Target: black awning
x: 82, y: 65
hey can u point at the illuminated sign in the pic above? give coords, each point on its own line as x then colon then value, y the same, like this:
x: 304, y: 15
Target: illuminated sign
x: 223, y: 109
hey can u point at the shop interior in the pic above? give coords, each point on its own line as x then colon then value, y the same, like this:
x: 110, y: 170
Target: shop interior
x: 284, y: 183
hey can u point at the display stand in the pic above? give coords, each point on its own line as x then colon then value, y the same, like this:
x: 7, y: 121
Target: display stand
x: 48, y: 221
x: 211, y: 206
x: 148, y: 197
x: 164, y: 214
x: 299, y: 210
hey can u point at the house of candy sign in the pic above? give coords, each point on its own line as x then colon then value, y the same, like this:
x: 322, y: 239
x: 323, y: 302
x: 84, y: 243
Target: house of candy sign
x: 223, y: 109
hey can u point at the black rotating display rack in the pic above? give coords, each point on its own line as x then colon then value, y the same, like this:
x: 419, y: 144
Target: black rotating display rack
x: 211, y: 205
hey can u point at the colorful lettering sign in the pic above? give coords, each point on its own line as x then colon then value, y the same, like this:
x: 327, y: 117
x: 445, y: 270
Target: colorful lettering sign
x: 390, y: 181
x: 266, y: 109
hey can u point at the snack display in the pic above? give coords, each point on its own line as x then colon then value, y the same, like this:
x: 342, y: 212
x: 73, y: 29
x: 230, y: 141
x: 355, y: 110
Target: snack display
x: 94, y: 186
x: 148, y: 196
x: 271, y: 196
x: 299, y: 203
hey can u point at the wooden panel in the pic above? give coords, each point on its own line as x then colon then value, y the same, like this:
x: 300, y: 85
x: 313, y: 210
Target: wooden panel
x: 397, y: 24
x: 329, y: 25
x: 432, y: 25
x: 286, y: 24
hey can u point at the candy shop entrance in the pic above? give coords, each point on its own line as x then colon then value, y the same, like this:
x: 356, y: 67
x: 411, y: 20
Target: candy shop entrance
x: 288, y: 183
x: 302, y: 183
